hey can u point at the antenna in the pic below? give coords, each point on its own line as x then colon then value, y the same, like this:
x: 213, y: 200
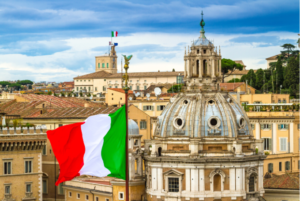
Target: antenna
x: 148, y: 96
x: 157, y: 91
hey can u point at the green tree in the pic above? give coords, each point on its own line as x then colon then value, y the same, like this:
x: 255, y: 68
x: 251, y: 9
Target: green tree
x: 292, y: 73
x: 251, y: 78
x: 49, y: 93
x: 288, y: 49
x: 25, y: 82
x: 175, y: 88
x: 279, y: 74
x: 234, y: 80
x: 15, y: 86
x: 228, y: 66
x: 173, y: 70
x: 259, y: 78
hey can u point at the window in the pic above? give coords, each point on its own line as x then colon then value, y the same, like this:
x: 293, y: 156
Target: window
x: 59, y: 125
x: 78, y: 196
x: 270, y: 167
x: 283, y: 101
x: 96, y: 89
x: 7, y: 189
x: 109, y: 87
x: 143, y: 124
x: 28, y: 166
x: 98, y: 65
x: 283, y: 126
x: 160, y: 107
x: 97, y: 198
x: 121, y: 196
x: 28, y: 188
x: 279, y: 101
x: 298, y: 164
x: 7, y: 167
x: 204, y: 51
x: 86, y: 197
x: 287, y: 165
x: 70, y: 194
x: 89, y: 88
x: 45, y: 186
x: 145, y: 87
x: 265, y: 126
x: 251, y: 183
x: 137, y: 81
x: 106, y: 199
x: 137, y: 87
x: 148, y: 107
x: 280, y: 166
x: 179, y: 79
x: 267, y: 143
x: 173, y: 184
x: 298, y: 126
x: 84, y: 80
x: 283, y: 143
x: 145, y: 80
x: 103, y: 65
x: 198, y: 51
x: 130, y: 87
x: 104, y: 79
x: 130, y: 81
x: 253, y: 126
x: 116, y: 86
x: 60, y: 189
x: 77, y: 89
x: 107, y: 65
x: 104, y: 88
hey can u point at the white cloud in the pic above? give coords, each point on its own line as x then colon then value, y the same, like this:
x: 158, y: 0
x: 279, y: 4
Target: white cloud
x: 80, y: 58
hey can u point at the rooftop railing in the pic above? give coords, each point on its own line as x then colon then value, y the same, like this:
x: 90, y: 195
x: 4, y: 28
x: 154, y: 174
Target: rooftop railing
x: 23, y: 130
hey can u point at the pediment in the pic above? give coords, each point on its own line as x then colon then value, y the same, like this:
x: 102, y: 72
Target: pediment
x: 172, y: 172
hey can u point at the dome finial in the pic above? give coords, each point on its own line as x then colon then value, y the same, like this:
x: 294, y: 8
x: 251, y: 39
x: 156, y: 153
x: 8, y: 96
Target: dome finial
x: 202, y: 24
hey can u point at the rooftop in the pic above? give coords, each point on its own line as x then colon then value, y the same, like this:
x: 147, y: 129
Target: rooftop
x: 285, y: 181
x: 120, y: 90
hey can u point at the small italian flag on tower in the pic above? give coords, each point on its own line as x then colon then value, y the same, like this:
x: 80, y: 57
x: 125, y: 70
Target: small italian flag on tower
x: 114, y: 34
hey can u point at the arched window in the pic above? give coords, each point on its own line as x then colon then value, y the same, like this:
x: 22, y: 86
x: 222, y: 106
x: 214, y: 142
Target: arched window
x: 252, y: 183
x: 159, y: 151
x: 270, y: 167
x: 217, y: 182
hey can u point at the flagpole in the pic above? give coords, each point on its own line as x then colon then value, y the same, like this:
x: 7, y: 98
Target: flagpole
x: 126, y: 88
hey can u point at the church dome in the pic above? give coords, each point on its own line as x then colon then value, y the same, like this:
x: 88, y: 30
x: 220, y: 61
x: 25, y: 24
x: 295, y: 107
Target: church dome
x: 202, y: 41
x: 202, y: 115
x: 133, y: 128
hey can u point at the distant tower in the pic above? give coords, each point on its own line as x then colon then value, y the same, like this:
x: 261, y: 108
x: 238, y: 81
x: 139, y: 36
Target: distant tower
x: 107, y: 62
x: 202, y: 63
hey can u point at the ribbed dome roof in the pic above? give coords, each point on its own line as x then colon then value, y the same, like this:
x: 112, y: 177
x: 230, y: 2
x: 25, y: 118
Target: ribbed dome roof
x: 203, y: 115
x: 202, y: 41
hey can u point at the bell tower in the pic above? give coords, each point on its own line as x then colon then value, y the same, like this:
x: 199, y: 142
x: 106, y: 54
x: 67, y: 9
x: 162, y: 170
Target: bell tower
x: 202, y: 63
x: 107, y: 62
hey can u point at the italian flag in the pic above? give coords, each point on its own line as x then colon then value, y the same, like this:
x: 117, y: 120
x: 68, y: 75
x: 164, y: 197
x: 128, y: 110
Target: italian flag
x: 114, y: 34
x: 95, y: 147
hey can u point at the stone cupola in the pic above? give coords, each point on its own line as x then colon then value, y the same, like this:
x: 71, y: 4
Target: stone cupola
x: 202, y: 63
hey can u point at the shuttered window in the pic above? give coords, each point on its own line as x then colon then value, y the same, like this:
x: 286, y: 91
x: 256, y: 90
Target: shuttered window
x: 103, y: 65
x: 267, y: 143
x: 143, y: 124
x: 107, y: 65
x: 265, y: 126
x: 148, y: 108
x: 283, y: 144
x: 287, y: 165
x: 270, y: 167
x: 280, y: 166
x: 98, y: 65
x: 160, y: 107
x: 283, y: 126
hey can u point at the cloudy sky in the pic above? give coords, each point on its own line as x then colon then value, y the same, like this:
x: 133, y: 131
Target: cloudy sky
x: 56, y: 40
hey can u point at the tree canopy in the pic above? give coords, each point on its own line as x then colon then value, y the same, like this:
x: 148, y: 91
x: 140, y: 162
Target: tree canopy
x: 228, y: 66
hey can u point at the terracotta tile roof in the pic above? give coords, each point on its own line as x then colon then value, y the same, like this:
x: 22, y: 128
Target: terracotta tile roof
x: 231, y: 86
x: 148, y: 74
x: 285, y: 181
x: 103, y: 74
x: 151, y: 88
x: 273, y: 57
x: 78, y: 112
x: 99, y: 74
x: 121, y: 90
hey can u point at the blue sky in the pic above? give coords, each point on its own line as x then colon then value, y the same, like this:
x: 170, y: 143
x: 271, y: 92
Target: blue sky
x: 56, y: 40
